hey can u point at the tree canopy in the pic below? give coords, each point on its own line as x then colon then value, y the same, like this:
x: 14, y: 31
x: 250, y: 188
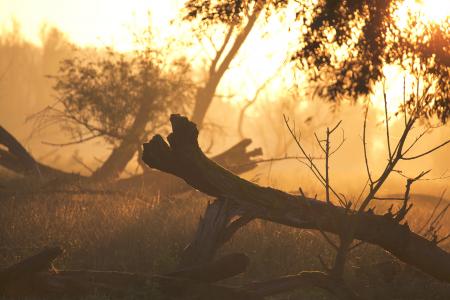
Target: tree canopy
x: 101, y: 96
x: 368, y: 37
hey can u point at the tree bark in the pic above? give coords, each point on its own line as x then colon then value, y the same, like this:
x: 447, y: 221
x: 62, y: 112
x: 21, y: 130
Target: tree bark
x: 183, y: 157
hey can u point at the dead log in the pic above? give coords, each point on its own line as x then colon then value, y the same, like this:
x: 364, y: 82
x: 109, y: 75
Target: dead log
x: 16, y: 153
x: 222, y: 218
x: 14, y: 157
x: 17, y: 159
x: 237, y: 159
x: 35, y: 277
x: 200, y: 280
x: 183, y: 157
x: 220, y: 221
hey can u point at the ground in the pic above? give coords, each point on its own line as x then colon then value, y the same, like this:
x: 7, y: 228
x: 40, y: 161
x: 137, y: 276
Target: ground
x: 146, y: 233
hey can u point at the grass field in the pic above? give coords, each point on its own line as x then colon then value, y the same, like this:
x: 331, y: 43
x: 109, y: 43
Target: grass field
x: 146, y: 234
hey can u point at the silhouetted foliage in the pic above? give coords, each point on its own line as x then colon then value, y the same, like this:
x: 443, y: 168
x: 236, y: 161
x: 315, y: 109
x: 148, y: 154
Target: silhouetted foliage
x: 102, y: 96
x: 419, y: 48
x: 368, y: 37
x: 231, y: 12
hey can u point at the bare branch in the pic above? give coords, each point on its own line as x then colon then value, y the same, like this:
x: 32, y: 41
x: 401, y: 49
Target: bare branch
x: 365, y: 148
x: 387, y: 123
x: 312, y: 166
x: 82, y: 140
x: 400, y: 215
x: 427, y: 152
x: 78, y: 160
x: 432, y: 213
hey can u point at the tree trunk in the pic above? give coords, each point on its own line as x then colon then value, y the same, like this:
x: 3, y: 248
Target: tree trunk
x: 183, y: 157
x: 206, y: 94
x: 121, y: 155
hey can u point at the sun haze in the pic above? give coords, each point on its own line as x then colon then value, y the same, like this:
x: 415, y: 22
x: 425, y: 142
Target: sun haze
x: 95, y: 23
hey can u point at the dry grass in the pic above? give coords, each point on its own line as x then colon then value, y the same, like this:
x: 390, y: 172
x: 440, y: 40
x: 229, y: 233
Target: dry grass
x: 127, y: 232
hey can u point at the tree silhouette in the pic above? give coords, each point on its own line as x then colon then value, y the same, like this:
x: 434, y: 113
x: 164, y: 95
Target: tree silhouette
x: 367, y: 34
x: 120, y: 98
x: 240, y: 18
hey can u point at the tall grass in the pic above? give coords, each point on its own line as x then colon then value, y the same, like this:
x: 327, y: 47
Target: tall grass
x: 146, y: 233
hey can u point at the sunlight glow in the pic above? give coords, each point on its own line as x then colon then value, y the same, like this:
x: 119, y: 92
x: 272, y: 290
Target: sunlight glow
x: 100, y: 23
x: 430, y: 11
x: 94, y: 23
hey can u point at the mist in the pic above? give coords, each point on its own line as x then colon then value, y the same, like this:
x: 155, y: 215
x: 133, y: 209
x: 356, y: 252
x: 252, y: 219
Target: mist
x: 102, y: 109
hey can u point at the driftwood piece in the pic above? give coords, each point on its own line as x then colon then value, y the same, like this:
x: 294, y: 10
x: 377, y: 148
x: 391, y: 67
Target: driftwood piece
x: 182, y: 157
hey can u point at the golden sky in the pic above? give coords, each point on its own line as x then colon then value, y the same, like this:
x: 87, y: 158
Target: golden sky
x: 113, y: 22
x: 87, y: 22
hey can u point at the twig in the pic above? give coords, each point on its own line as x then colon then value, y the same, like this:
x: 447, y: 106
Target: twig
x: 365, y: 149
x: 83, y: 164
x: 387, y: 123
x: 427, y: 152
x: 433, y: 212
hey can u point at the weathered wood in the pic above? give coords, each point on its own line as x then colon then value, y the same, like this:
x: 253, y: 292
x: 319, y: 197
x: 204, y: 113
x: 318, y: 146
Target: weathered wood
x: 16, y: 152
x: 17, y: 159
x: 218, y: 224
x: 34, y: 277
x: 237, y: 159
x: 183, y: 157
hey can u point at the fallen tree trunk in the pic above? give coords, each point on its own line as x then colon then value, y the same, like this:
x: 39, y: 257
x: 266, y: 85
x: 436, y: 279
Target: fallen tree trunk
x: 35, y: 277
x: 183, y: 157
x: 237, y: 159
x: 17, y: 159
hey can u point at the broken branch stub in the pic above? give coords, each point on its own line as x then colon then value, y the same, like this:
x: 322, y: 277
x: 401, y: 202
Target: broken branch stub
x: 183, y: 157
